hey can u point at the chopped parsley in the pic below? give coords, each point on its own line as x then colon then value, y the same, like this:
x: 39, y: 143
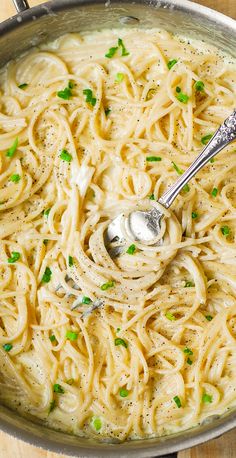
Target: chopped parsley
x: 117, y: 329
x: 214, y: 192
x: 180, y: 172
x: 194, y: 215
x: 112, y: 51
x: 70, y: 261
x: 124, y: 393
x: 11, y: 151
x: 89, y: 97
x: 7, y: 347
x: 131, y: 249
x: 47, y: 275
x: 206, y: 138
x: 206, y: 398
x: 177, y: 401
x: 170, y: 316
x: 52, y: 406
x: 107, y: 111
x: 177, y: 169
x: 45, y: 242
x: 153, y: 159
x: 189, y: 284
x: 52, y: 338
x: 178, y: 89
x: 71, y: 85
x: 199, y: 86
x: 152, y: 197
x: 57, y: 388
x: 124, y: 51
x: 188, y: 351
x: 209, y: 317
x: 23, y: 86
x: 65, y: 156
x: 171, y: 63
x: 119, y: 77
x: 15, y: 178
x: 15, y: 256
x: 181, y: 97
x: 119, y: 341
x: 212, y: 160
x: 66, y: 93
x: 189, y: 361
x: 71, y: 335
x: 46, y: 212
x: 225, y: 230
x: 96, y: 423
x: 86, y: 300
x: 107, y: 285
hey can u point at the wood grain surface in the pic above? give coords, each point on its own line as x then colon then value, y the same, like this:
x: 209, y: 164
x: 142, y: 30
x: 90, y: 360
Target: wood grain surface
x: 225, y: 446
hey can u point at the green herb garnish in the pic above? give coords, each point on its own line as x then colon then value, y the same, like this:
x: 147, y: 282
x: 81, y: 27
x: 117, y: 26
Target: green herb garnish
x: 107, y: 111
x: 153, y: 159
x: 52, y: 406
x: 89, y: 97
x: 214, y: 192
x: 206, y: 138
x: 15, y: 178
x: 58, y: 389
x: 47, y: 275
x: 131, y: 249
x: 86, y: 300
x: 7, y: 347
x: 124, y: 393
x: 45, y: 242
x: 66, y: 93
x: 52, y: 338
x: 23, y: 86
x: 189, y: 284
x: 212, y: 160
x: 15, y: 256
x: 171, y: 63
x: 11, y: 151
x: 124, y: 51
x: 70, y: 261
x: 177, y: 401
x: 111, y: 52
x: 65, y: 156
x: 188, y: 351
x: 209, y: 317
x: 118, y: 329
x: 46, y: 212
x: 71, y: 335
x: 119, y: 77
x: 225, y: 230
x: 181, y: 97
x: 178, y: 170
x: 107, y: 285
x: 170, y: 316
x: 189, y: 361
x: 194, y: 215
x: 152, y: 197
x: 178, y: 89
x: 96, y: 423
x: 206, y: 398
x: 199, y: 86
x: 119, y: 341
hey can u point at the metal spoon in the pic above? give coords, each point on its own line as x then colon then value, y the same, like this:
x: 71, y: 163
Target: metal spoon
x: 145, y: 226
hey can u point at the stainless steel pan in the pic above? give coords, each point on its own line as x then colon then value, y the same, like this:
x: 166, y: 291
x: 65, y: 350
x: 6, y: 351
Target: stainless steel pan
x: 45, y: 22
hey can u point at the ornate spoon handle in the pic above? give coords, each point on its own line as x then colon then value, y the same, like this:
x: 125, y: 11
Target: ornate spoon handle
x: 222, y: 137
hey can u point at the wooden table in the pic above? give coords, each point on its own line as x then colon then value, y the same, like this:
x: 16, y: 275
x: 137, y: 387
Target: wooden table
x: 224, y: 447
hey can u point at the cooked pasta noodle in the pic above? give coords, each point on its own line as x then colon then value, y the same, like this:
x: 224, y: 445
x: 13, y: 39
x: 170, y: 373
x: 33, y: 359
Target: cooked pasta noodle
x: 91, y: 126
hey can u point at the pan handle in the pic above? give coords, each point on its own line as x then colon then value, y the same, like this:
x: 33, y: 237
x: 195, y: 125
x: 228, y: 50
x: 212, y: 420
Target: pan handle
x: 21, y: 5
